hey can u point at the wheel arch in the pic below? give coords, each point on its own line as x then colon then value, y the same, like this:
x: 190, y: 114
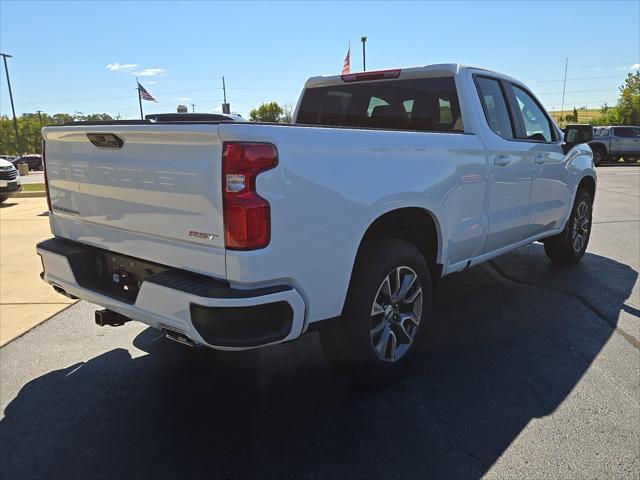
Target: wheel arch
x: 598, y: 145
x: 415, y: 225
x: 588, y: 183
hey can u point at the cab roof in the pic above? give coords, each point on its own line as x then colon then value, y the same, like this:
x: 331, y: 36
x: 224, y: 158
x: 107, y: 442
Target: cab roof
x: 439, y: 69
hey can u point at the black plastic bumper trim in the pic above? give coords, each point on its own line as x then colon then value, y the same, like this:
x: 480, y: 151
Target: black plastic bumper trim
x: 248, y: 326
x: 203, y: 286
x: 82, y: 260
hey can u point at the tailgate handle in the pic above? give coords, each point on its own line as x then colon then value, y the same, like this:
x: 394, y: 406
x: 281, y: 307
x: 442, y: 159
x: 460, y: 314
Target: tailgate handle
x: 105, y: 140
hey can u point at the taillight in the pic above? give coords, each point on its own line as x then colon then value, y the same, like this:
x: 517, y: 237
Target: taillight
x: 44, y: 168
x: 376, y: 75
x: 247, y: 216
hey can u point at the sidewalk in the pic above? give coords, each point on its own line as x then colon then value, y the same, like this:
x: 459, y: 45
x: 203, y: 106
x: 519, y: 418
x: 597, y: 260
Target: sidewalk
x: 25, y: 300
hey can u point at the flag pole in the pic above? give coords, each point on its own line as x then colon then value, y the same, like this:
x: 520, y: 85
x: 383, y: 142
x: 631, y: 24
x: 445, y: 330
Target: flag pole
x: 139, y: 98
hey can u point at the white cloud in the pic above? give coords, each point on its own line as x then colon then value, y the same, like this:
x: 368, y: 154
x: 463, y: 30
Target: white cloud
x: 151, y: 82
x: 150, y: 72
x: 635, y: 66
x: 116, y: 67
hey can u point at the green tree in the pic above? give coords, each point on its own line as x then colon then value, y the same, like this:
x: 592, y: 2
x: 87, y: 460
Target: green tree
x: 629, y: 101
x: 287, y: 115
x: 29, y: 126
x: 575, y: 114
x: 267, y: 112
x: 627, y: 110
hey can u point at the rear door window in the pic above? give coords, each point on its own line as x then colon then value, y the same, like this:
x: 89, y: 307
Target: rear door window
x: 626, y: 132
x: 494, y: 106
x: 429, y: 104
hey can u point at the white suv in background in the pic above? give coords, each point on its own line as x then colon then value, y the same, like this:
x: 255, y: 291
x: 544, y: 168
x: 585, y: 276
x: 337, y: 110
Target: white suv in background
x: 9, y: 180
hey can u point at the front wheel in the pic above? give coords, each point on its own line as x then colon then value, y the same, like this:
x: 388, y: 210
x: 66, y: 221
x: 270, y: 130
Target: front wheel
x: 3, y: 198
x: 569, y: 246
x: 385, y: 314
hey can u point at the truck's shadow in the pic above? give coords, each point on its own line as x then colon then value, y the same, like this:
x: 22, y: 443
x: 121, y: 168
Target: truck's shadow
x: 500, y: 355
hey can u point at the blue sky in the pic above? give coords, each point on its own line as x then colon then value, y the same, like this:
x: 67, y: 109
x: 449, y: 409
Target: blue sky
x: 69, y: 56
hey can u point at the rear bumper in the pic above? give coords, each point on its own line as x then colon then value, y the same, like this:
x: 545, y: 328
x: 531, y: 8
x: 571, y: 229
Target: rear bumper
x: 206, y: 310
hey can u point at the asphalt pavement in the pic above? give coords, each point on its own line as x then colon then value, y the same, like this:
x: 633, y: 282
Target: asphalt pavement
x: 529, y: 370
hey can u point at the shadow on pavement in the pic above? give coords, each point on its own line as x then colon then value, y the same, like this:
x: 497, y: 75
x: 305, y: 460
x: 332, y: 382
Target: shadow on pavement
x: 499, y: 355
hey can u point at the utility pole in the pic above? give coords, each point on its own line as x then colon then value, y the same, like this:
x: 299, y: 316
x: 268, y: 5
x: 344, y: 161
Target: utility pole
x: 364, y: 54
x: 566, y: 62
x: 40, y: 117
x: 193, y: 108
x: 13, y: 109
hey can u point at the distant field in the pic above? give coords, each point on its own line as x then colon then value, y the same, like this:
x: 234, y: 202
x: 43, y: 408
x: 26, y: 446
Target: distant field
x: 583, y: 115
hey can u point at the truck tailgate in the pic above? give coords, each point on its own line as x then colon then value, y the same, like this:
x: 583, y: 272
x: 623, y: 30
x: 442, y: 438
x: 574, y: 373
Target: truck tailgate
x: 149, y: 191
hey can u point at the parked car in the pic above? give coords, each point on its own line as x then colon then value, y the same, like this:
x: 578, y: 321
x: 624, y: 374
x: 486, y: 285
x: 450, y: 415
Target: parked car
x: 344, y: 222
x: 7, y: 157
x: 611, y: 143
x: 33, y: 161
x: 9, y: 180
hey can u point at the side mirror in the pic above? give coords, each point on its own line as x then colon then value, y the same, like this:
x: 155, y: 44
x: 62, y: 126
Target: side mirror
x: 576, y: 134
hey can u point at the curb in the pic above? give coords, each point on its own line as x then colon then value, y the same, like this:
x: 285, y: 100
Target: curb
x: 620, y: 164
x: 30, y: 194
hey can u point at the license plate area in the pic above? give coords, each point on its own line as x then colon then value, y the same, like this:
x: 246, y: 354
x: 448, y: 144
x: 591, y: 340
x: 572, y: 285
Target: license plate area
x: 117, y: 276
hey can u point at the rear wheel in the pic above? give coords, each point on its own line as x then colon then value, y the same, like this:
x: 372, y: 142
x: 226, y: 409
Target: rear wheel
x: 385, y: 315
x: 630, y: 159
x: 569, y: 246
x: 3, y: 198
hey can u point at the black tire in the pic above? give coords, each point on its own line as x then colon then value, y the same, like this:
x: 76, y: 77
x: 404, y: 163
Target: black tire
x: 630, y: 159
x: 349, y: 346
x: 568, y: 247
x: 599, y: 155
x: 3, y: 198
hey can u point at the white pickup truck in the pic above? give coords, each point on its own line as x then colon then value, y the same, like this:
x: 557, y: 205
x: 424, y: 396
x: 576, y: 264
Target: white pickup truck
x: 239, y: 235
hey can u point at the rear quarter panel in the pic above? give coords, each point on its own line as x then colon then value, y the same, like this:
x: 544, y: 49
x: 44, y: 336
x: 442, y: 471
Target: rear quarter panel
x: 331, y: 184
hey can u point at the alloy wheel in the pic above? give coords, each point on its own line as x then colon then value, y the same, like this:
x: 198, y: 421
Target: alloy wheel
x: 396, y: 313
x: 581, y: 227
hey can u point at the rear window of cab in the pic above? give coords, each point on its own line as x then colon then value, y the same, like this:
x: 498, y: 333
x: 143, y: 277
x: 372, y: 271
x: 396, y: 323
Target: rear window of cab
x: 428, y: 104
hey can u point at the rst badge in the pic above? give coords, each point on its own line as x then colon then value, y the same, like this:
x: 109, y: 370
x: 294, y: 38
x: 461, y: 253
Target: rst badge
x: 206, y: 236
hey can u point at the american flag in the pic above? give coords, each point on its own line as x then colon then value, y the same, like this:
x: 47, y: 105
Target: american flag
x: 346, y: 67
x: 144, y: 95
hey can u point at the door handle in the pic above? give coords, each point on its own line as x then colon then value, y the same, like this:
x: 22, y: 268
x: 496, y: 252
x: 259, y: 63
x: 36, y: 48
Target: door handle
x: 502, y: 160
x: 539, y: 159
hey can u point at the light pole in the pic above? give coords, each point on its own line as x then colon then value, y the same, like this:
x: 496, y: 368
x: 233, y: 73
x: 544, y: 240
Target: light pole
x: 364, y: 54
x: 13, y: 109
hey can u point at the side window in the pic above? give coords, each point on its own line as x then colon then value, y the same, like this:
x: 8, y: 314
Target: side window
x: 446, y: 116
x: 373, y: 103
x: 494, y: 106
x: 626, y: 132
x: 408, y: 107
x: 536, y: 124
